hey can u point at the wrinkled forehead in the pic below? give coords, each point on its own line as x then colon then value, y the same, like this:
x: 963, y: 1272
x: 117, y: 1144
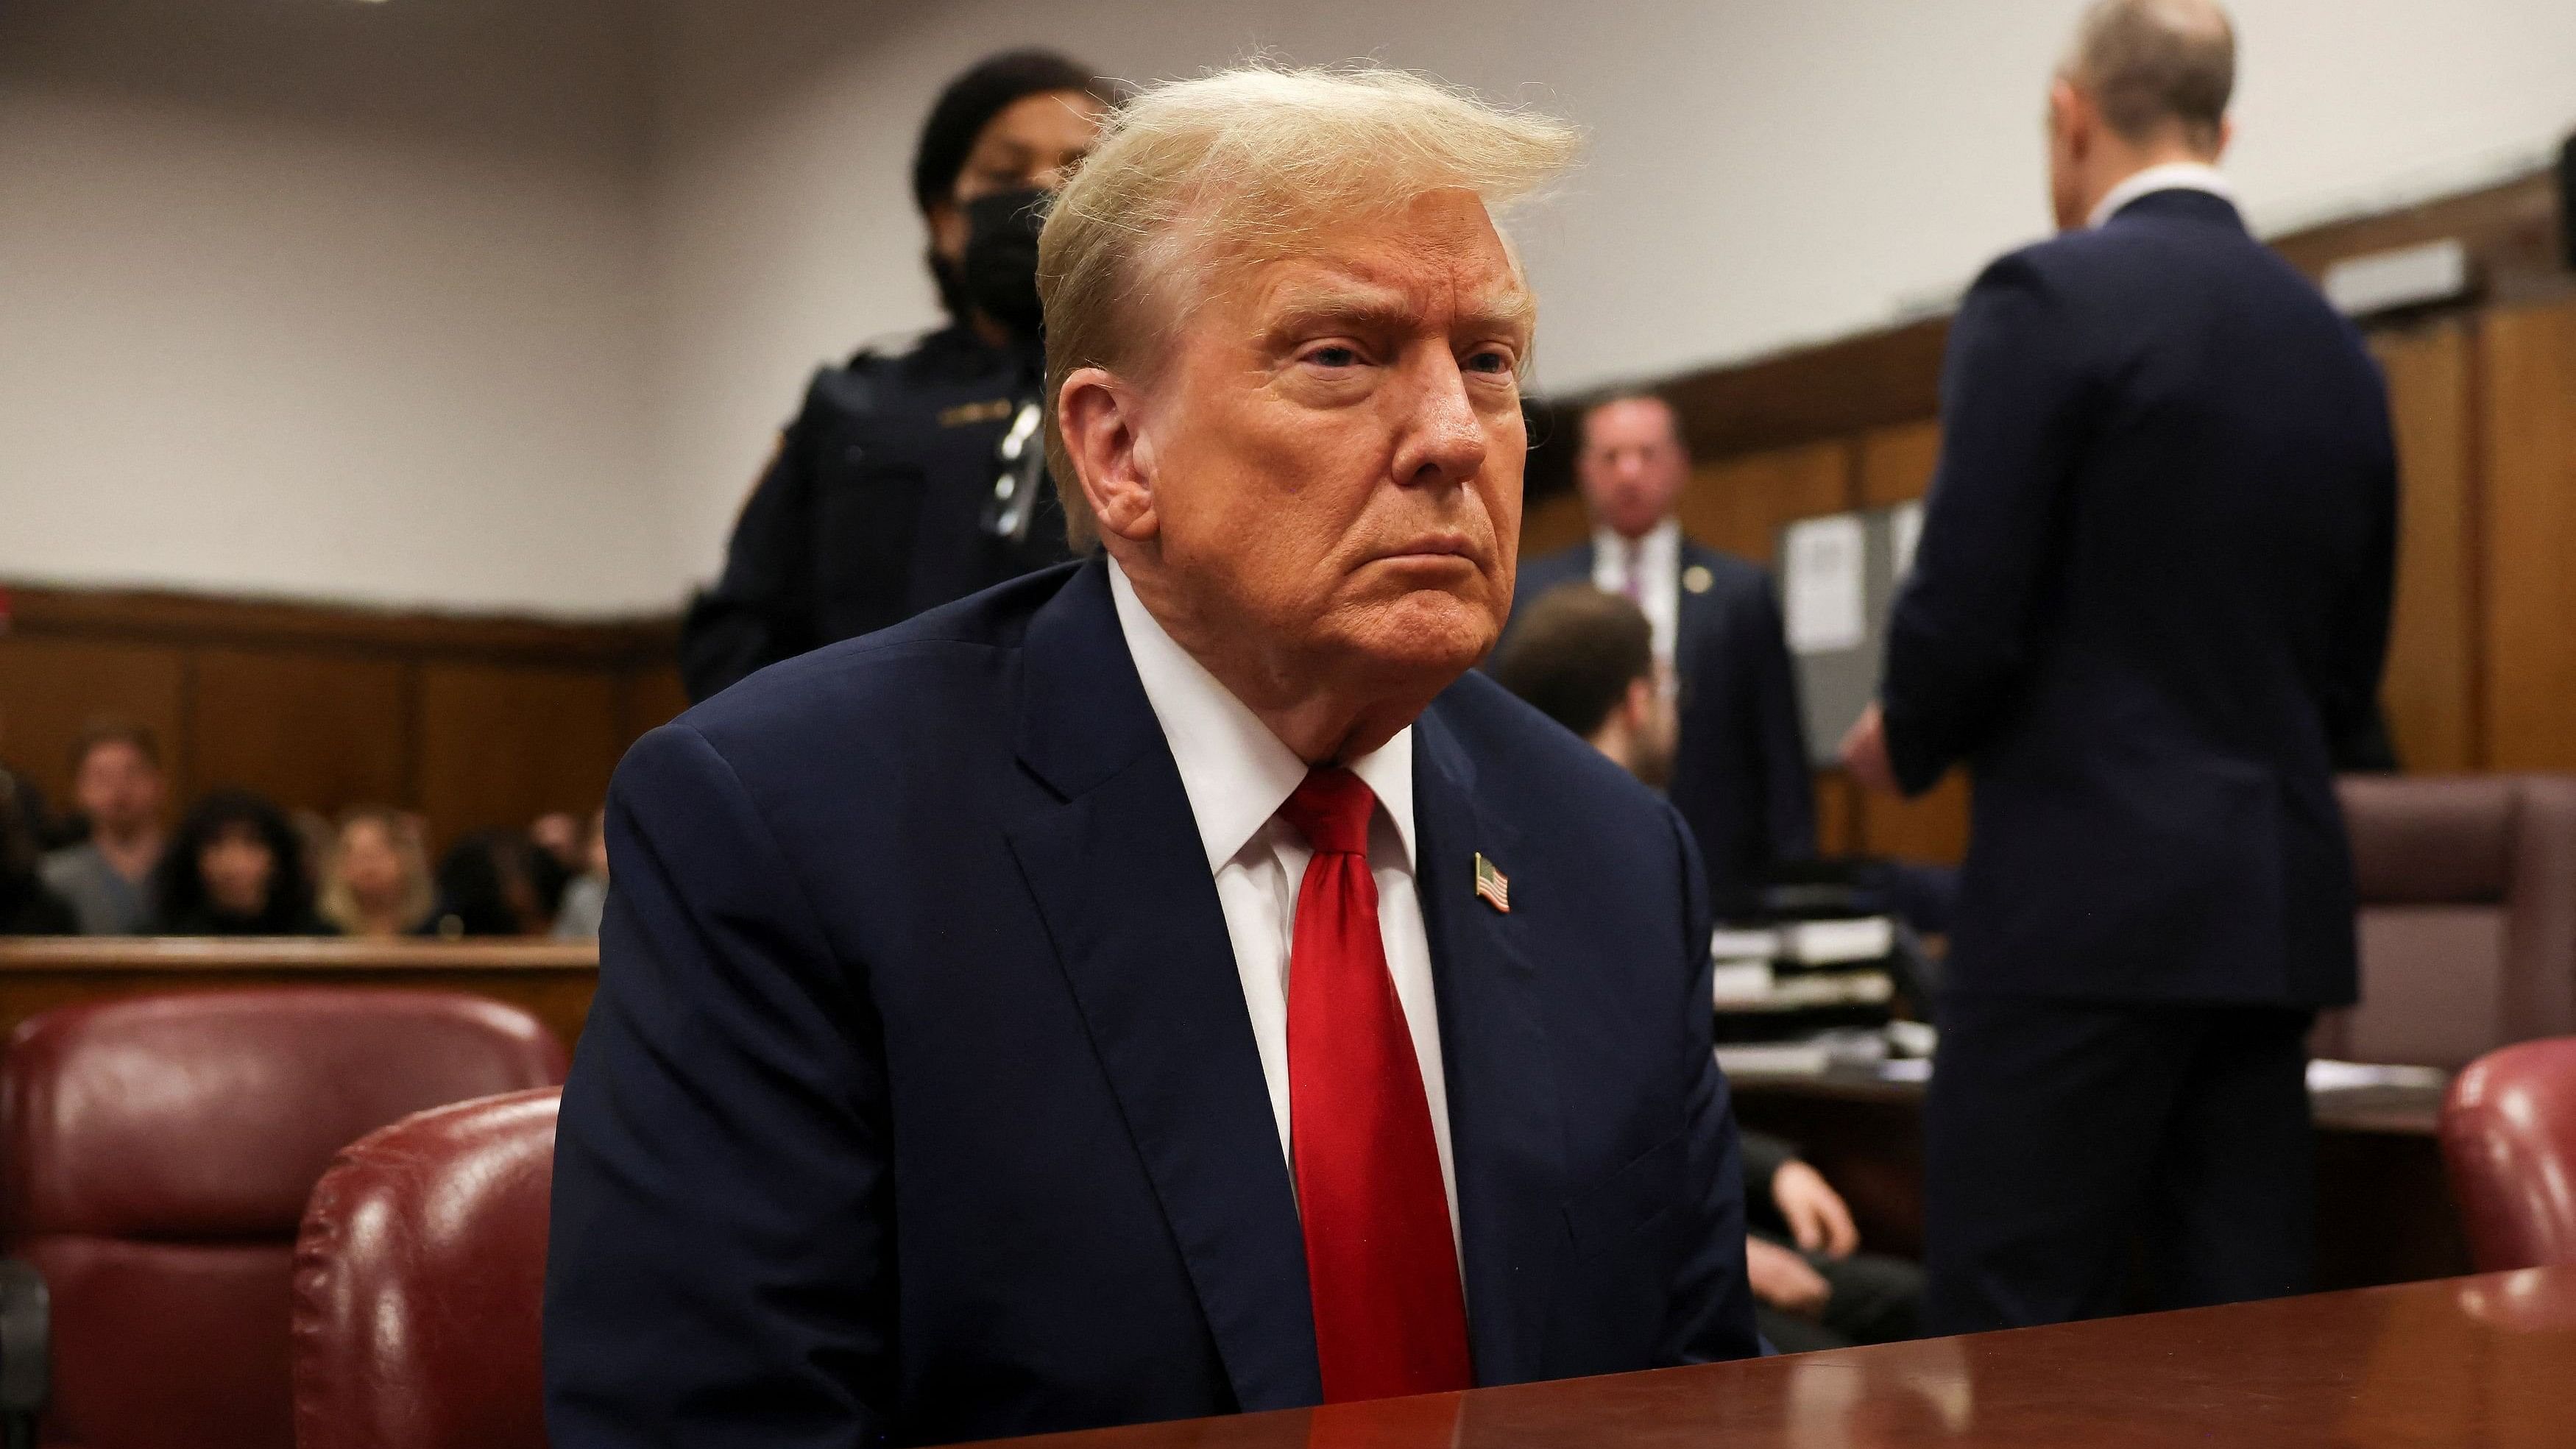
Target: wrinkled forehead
x: 1433, y: 262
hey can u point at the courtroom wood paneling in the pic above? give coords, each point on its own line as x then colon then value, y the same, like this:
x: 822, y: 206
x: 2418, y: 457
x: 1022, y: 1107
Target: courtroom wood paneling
x: 51, y: 688
x: 1740, y: 504
x: 1837, y: 814
x: 1839, y: 389
x: 1896, y: 463
x: 2528, y: 431
x: 2434, y: 643
x: 2510, y: 230
x: 504, y: 743
x: 188, y: 619
x: 1552, y: 524
x: 1896, y: 467
x: 1932, y: 827
x: 324, y: 707
x: 552, y: 980
x: 1891, y: 377
x: 322, y: 730
x: 650, y: 698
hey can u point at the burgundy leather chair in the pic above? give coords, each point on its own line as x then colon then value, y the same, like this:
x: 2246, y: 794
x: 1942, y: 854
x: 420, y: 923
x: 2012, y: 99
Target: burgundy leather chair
x: 2468, y: 916
x: 159, y: 1151
x: 438, y: 1224
x: 2509, y: 1137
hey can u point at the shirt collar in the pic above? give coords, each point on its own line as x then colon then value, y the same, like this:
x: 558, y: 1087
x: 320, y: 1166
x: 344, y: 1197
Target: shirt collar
x: 2170, y: 176
x: 1235, y: 771
x: 1662, y: 541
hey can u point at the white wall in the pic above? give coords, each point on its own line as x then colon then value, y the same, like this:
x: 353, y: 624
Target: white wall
x: 498, y: 303
x: 1761, y: 172
x: 315, y: 298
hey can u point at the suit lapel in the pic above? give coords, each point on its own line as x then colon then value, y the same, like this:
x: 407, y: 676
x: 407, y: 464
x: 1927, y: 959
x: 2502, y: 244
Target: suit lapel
x: 1118, y: 874
x: 1506, y: 1141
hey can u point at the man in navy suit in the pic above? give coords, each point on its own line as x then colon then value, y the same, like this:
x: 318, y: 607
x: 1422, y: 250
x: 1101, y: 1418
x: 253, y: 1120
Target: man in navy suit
x: 1163, y: 985
x: 1740, y: 771
x: 2152, y: 588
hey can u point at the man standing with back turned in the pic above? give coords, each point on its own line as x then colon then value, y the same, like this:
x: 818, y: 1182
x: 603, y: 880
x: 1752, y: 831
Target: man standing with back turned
x: 2153, y: 585
x: 1196, y: 996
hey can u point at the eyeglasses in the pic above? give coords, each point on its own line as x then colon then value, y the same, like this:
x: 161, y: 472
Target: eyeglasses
x: 1022, y: 463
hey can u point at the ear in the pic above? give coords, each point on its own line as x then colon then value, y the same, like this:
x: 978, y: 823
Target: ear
x: 2071, y: 116
x: 2226, y: 134
x: 1637, y: 706
x: 1099, y: 416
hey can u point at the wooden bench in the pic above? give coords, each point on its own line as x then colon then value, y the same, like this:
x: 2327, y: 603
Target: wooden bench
x: 553, y: 979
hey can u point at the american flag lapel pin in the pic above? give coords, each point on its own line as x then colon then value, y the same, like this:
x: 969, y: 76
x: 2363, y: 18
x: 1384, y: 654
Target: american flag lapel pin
x: 1492, y: 886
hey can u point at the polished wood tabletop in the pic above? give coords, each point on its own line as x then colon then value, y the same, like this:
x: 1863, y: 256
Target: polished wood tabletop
x: 2463, y: 1363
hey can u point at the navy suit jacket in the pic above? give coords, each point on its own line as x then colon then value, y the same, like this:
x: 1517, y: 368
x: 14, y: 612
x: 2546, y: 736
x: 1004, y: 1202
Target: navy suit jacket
x: 2152, y: 587
x: 919, y: 1099
x: 1741, y: 777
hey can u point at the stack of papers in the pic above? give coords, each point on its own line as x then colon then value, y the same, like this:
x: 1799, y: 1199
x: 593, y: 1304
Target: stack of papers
x: 2333, y: 1076
x: 1744, y: 943
x: 1810, y: 1058
x: 1836, y: 943
x: 1807, y: 943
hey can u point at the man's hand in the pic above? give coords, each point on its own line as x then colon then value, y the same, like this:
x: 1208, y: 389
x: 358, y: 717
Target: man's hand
x: 1864, y: 753
x: 1783, y: 1279
x: 1816, y: 1215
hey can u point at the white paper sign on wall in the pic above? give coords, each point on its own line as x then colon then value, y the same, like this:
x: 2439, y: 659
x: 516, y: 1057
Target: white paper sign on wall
x: 1823, y: 585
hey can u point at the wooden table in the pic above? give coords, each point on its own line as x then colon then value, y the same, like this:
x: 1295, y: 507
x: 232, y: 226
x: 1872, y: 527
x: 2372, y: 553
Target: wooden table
x: 552, y: 979
x: 2384, y: 1211
x: 2463, y: 1363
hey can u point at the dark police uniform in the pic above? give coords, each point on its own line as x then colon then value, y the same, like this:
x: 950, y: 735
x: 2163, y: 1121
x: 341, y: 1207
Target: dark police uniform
x: 880, y: 503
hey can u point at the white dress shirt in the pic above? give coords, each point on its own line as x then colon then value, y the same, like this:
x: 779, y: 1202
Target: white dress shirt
x: 1658, y: 563
x: 2171, y: 176
x: 1237, y: 775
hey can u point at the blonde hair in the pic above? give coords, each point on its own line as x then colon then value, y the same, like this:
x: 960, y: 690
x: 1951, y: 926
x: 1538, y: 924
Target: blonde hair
x: 339, y: 906
x: 1241, y: 165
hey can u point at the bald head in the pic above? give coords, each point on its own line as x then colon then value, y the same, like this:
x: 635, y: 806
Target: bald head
x: 2157, y: 68
x: 2146, y: 85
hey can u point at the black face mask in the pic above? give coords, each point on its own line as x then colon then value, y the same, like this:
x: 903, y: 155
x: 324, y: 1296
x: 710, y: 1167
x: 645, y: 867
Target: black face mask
x: 1000, y: 267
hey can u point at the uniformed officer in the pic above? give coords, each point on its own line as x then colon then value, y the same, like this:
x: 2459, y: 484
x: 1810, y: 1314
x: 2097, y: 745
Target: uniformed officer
x: 912, y: 478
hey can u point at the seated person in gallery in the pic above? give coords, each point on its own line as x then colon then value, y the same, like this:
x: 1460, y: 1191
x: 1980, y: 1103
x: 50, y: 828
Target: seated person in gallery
x: 235, y: 867
x: 1586, y: 659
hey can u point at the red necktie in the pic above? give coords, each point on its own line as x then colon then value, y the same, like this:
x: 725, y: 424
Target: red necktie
x: 1380, y: 1263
